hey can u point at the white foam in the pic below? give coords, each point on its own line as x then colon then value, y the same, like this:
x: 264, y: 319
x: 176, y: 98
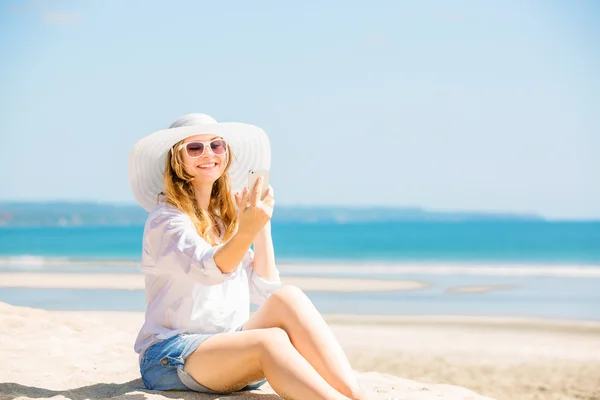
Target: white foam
x: 26, y: 260
x: 31, y: 261
x: 576, y: 271
x: 339, y: 268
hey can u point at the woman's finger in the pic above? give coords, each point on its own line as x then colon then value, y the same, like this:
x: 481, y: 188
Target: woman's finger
x: 244, y: 200
x: 269, y: 200
x: 269, y: 192
x: 239, y: 201
x: 256, y: 192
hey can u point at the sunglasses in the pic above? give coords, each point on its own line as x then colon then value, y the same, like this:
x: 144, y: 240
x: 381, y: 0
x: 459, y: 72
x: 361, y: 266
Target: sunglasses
x: 196, y: 149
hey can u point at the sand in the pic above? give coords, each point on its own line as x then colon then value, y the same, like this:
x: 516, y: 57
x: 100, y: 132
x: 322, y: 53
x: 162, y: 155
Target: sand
x: 80, y: 355
x: 136, y: 282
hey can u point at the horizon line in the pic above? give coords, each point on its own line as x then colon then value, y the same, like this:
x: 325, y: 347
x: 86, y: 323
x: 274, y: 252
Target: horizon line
x: 532, y: 214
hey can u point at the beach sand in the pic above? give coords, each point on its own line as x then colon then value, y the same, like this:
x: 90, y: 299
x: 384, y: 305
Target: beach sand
x: 79, y: 355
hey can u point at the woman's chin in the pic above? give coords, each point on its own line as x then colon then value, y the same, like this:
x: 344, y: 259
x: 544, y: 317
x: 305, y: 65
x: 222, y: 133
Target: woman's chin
x: 207, y: 178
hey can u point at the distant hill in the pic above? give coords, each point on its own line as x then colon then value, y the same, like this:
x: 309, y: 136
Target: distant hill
x: 64, y: 213
x: 69, y: 214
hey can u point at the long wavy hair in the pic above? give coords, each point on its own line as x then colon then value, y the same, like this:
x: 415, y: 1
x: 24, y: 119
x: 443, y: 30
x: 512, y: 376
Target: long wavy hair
x: 179, y: 192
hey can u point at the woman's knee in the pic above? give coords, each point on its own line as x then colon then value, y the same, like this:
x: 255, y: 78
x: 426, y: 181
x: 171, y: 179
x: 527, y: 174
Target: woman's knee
x: 273, y: 338
x: 273, y: 335
x: 289, y: 294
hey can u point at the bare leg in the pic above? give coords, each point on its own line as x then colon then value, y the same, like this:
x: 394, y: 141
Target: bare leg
x: 290, y: 309
x: 238, y: 358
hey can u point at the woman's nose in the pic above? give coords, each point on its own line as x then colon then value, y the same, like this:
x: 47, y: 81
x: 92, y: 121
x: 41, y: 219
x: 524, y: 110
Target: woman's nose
x: 208, y: 152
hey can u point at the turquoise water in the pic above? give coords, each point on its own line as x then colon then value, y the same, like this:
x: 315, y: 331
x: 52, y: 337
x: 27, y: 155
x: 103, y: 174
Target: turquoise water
x: 529, y: 288
x: 465, y: 242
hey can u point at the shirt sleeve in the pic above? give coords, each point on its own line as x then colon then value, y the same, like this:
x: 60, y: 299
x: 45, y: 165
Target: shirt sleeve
x: 172, y: 246
x: 260, y: 288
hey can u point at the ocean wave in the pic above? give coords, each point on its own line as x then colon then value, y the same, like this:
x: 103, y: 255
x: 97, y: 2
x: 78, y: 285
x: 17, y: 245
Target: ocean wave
x: 32, y: 262
x: 529, y: 270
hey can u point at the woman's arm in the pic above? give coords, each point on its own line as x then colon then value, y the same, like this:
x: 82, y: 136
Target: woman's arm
x: 255, y: 212
x: 229, y: 255
x: 172, y: 246
x: 264, y: 255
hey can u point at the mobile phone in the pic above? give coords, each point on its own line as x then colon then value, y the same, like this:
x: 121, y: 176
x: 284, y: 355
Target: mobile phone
x: 253, y: 177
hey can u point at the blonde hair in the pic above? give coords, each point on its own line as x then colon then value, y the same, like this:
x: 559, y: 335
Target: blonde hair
x: 179, y: 192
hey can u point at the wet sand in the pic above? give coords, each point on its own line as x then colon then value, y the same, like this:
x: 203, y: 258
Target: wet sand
x: 136, y: 282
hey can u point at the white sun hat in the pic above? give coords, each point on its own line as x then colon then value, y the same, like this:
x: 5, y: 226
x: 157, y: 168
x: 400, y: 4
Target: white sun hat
x: 249, y: 145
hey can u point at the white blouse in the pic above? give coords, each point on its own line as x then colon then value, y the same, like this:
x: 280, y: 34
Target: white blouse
x: 185, y: 290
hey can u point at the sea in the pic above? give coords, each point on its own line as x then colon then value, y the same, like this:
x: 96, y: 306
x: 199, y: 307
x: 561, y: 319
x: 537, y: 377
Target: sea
x: 472, y: 268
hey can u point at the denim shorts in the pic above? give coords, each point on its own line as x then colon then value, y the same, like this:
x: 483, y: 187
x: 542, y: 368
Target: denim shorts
x: 161, y: 365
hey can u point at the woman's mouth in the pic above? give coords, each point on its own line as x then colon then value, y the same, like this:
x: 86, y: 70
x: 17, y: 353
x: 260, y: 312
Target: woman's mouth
x: 207, y: 166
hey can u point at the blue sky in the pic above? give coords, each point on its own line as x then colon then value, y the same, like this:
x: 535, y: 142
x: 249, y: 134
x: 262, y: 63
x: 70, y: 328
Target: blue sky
x: 451, y: 105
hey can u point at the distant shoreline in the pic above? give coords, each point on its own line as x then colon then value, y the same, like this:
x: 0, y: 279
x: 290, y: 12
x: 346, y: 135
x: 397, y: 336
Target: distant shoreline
x: 59, y: 214
x: 6, y: 225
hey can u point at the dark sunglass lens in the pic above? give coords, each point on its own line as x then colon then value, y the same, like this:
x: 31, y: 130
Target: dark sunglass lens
x: 195, y: 149
x: 218, y: 146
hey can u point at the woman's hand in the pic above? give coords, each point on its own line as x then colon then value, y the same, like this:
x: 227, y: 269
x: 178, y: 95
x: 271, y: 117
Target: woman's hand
x: 254, y: 208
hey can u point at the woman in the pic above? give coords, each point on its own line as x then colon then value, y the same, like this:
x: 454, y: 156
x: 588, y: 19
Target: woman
x: 201, y: 273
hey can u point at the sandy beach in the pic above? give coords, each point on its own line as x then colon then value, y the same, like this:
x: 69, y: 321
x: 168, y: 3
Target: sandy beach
x: 82, y: 355
x: 89, y: 354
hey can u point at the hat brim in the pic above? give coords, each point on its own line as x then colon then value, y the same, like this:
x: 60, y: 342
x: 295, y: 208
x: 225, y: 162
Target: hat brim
x: 248, y: 143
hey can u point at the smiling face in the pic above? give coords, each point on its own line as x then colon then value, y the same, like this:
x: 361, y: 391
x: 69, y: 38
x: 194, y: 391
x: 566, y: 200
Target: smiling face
x: 207, y: 167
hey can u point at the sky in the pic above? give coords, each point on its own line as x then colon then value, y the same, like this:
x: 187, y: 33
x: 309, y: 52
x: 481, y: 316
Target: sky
x: 446, y: 105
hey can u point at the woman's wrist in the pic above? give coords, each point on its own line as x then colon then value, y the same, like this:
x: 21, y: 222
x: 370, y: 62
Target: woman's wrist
x: 267, y: 228
x: 265, y: 233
